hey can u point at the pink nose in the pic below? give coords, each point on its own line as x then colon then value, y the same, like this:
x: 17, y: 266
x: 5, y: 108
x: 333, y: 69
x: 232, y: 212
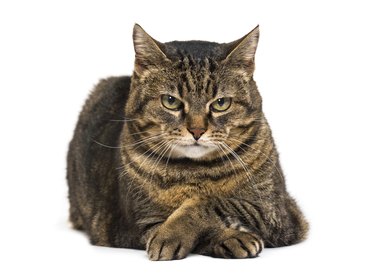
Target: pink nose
x: 196, y: 132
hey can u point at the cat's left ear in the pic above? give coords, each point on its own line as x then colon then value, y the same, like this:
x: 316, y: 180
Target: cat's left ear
x: 148, y: 51
x: 241, y: 53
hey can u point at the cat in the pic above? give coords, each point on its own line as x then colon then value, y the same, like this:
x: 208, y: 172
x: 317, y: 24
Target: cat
x: 179, y: 158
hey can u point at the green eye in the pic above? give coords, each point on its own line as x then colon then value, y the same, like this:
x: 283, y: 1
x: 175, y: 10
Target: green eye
x: 171, y: 102
x: 221, y: 104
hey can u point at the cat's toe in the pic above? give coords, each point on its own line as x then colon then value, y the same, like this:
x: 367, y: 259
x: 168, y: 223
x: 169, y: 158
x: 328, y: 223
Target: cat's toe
x: 241, y: 245
x: 168, y: 247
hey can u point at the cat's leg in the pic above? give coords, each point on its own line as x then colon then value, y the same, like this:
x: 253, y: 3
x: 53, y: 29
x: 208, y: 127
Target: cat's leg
x: 177, y: 236
x: 239, y: 231
x: 280, y: 223
x: 231, y: 243
x: 99, y: 225
x: 75, y: 217
x: 293, y: 227
x: 299, y: 223
x: 227, y: 228
x: 199, y: 225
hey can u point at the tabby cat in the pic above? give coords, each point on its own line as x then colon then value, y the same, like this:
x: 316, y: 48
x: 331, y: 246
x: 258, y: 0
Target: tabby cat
x: 179, y: 158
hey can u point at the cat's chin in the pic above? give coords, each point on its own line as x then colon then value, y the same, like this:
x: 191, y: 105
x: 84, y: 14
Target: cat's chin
x: 192, y: 151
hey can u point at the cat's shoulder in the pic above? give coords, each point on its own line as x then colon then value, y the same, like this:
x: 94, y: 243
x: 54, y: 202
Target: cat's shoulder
x: 107, y: 98
x: 112, y: 86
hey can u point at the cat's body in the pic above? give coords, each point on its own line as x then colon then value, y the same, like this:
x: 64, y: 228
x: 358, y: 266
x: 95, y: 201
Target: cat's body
x: 181, y: 175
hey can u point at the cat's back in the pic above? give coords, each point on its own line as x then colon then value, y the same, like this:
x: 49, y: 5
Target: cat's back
x: 107, y: 100
x: 99, y: 126
x: 92, y: 157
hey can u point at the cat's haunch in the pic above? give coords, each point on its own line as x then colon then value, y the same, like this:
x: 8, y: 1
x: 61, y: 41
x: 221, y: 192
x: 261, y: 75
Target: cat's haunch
x: 179, y: 158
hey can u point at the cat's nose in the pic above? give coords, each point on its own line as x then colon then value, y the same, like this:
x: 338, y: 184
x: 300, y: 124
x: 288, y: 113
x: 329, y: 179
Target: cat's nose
x: 196, y: 132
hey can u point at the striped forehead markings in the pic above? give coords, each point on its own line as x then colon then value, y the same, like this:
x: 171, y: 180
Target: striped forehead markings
x: 196, y: 76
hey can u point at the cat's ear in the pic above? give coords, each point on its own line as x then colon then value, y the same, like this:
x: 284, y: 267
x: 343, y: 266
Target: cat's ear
x: 148, y: 51
x: 241, y: 52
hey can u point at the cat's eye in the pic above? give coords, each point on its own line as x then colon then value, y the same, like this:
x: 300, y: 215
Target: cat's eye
x: 171, y: 102
x: 221, y: 104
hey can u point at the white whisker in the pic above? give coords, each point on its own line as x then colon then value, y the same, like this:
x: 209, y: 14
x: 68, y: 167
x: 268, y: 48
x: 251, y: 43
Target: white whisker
x: 152, y: 154
x: 170, y: 153
x: 259, y: 151
x: 123, y: 120
x: 141, y: 141
x: 103, y: 145
x: 248, y: 173
x: 162, y: 153
x: 139, y: 156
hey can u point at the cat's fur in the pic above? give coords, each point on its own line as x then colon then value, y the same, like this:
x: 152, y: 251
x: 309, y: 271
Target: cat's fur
x: 131, y: 185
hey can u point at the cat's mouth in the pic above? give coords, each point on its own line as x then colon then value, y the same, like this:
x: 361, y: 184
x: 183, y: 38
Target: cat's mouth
x: 194, y: 150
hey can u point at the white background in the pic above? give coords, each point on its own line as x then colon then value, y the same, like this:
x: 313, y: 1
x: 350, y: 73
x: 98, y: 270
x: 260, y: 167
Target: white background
x: 315, y: 70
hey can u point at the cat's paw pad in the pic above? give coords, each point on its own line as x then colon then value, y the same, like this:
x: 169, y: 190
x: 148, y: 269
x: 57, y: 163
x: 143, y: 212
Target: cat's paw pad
x: 239, y: 245
x: 164, y: 246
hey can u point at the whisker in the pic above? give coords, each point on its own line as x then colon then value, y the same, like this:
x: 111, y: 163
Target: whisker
x: 259, y: 151
x: 249, y: 177
x: 146, y: 142
x: 170, y: 153
x: 141, y: 141
x: 103, y: 145
x: 123, y: 120
x: 139, y: 156
x: 248, y: 173
x: 218, y: 150
x: 220, y: 145
x: 139, y: 132
x: 154, y: 148
x: 151, y: 155
x: 163, y: 149
x: 162, y: 153
x: 146, y: 139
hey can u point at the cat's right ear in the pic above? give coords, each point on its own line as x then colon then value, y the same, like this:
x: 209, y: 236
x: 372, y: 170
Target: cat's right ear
x: 148, y: 51
x: 241, y: 53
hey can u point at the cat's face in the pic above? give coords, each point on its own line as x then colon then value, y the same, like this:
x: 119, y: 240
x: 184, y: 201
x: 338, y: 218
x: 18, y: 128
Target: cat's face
x: 197, y: 105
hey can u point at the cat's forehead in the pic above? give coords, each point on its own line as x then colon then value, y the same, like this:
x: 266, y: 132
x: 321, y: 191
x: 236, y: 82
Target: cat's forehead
x: 196, y: 78
x: 197, y: 50
x: 196, y: 69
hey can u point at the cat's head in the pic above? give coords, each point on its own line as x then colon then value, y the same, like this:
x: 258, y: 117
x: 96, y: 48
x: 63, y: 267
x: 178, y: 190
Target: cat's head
x: 198, y: 97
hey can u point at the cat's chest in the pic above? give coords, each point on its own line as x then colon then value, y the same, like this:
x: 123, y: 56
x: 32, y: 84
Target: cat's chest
x: 174, y: 195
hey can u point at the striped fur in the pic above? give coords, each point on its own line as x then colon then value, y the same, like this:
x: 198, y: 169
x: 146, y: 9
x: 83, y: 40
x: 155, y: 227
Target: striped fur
x: 130, y: 184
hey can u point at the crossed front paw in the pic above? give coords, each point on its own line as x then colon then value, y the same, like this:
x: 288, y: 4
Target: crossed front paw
x: 236, y: 244
x: 165, y: 244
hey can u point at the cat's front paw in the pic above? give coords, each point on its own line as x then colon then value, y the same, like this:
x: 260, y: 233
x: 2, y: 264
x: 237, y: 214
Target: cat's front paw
x: 237, y: 244
x: 165, y: 244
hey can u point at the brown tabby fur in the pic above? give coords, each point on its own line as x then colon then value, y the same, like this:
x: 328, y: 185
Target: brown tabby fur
x: 128, y: 187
